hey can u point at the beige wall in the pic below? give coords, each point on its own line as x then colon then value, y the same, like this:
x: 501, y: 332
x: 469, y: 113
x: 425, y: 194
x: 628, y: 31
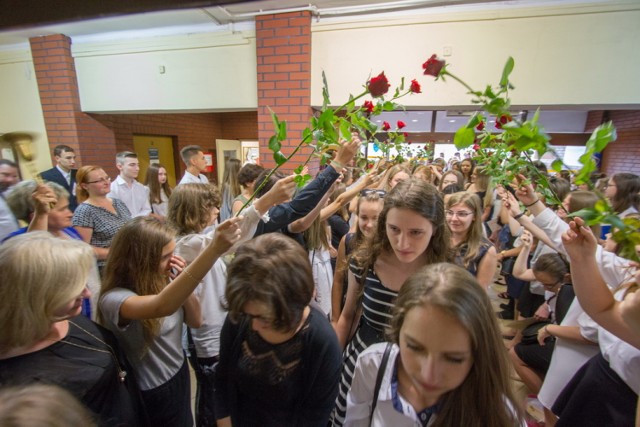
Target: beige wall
x: 20, y: 108
x: 213, y: 72
x: 564, y: 55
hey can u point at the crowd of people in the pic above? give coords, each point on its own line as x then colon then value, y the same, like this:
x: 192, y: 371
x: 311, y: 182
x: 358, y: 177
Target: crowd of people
x: 361, y: 299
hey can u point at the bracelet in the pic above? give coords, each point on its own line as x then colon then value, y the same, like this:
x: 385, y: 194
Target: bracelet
x: 520, y: 215
x: 336, y: 165
x: 188, y: 273
x: 528, y: 206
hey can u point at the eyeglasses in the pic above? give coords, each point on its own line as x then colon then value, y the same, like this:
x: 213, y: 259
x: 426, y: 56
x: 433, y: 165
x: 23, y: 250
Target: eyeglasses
x: 260, y: 318
x: 104, y: 179
x: 367, y: 191
x: 459, y: 214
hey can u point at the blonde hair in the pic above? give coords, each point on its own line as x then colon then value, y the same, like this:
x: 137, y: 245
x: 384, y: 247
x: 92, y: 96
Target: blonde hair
x: 40, y: 274
x: 474, y: 237
x: 42, y: 405
x: 456, y: 292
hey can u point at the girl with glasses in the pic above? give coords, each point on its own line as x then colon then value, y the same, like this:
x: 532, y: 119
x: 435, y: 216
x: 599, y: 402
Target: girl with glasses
x: 473, y: 251
x: 98, y: 217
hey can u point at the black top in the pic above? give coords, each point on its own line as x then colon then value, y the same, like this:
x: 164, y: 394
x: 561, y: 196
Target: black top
x: 88, y: 374
x: 308, y: 198
x: 54, y: 175
x: 294, y: 383
x: 339, y: 228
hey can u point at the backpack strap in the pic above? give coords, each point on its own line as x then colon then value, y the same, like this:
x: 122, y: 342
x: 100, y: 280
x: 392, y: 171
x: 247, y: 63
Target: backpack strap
x: 381, y: 371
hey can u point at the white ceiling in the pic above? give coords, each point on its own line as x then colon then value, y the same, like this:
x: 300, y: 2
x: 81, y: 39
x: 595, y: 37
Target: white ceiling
x: 217, y: 18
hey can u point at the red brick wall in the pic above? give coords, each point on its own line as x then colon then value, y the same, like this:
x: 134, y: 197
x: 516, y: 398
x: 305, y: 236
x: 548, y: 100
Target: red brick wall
x: 58, y: 87
x: 623, y: 155
x: 241, y: 125
x: 186, y: 129
x: 283, y: 44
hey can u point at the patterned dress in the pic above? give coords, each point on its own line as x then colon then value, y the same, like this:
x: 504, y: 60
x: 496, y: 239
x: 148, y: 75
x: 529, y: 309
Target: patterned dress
x: 377, y: 302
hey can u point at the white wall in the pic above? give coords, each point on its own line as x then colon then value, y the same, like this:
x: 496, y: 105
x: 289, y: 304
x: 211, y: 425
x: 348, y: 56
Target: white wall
x: 212, y: 72
x: 20, y: 108
x: 564, y: 55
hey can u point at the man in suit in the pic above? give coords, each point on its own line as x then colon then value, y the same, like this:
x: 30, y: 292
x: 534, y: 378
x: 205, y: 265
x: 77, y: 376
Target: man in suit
x: 64, y: 173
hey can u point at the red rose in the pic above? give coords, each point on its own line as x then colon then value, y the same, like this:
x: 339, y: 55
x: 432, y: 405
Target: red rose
x: 433, y: 66
x: 406, y: 135
x: 480, y: 126
x: 401, y: 124
x: 498, y: 125
x: 370, y: 166
x: 415, y: 86
x: 368, y: 106
x: 476, y: 147
x: 386, y: 126
x: 379, y: 85
x: 505, y: 118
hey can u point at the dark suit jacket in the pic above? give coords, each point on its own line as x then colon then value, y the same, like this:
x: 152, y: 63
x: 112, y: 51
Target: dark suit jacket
x: 54, y: 175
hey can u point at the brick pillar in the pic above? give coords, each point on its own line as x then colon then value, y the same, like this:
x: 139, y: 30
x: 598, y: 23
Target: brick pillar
x: 283, y: 45
x: 64, y: 121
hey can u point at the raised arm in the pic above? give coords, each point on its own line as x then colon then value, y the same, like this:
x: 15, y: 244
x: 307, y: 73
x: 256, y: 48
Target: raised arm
x: 591, y: 290
x: 348, y: 195
x: 43, y: 198
x: 520, y: 269
x: 173, y: 296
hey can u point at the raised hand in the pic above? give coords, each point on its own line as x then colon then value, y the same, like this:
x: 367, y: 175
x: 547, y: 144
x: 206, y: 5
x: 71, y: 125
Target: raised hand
x: 578, y: 240
x: 348, y: 149
x: 227, y: 234
x: 176, y: 265
x: 44, y: 198
x: 525, y: 192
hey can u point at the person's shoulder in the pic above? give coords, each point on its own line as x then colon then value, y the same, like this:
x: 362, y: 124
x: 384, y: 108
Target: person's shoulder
x: 49, y: 173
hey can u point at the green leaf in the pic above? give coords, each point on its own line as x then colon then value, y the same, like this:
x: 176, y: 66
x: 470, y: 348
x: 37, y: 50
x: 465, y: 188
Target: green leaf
x: 325, y: 91
x: 274, y: 144
x: 282, y: 130
x: 279, y: 158
x: 506, y: 71
x: 464, y: 138
x: 274, y: 119
x: 345, y: 129
x: 589, y: 215
x: 474, y: 120
x: 307, y: 135
x: 601, y: 206
x: 557, y: 165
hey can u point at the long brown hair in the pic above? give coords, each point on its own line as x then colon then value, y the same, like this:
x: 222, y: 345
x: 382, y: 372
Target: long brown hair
x: 455, y: 291
x: 133, y: 261
x: 155, y: 188
x: 421, y: 198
